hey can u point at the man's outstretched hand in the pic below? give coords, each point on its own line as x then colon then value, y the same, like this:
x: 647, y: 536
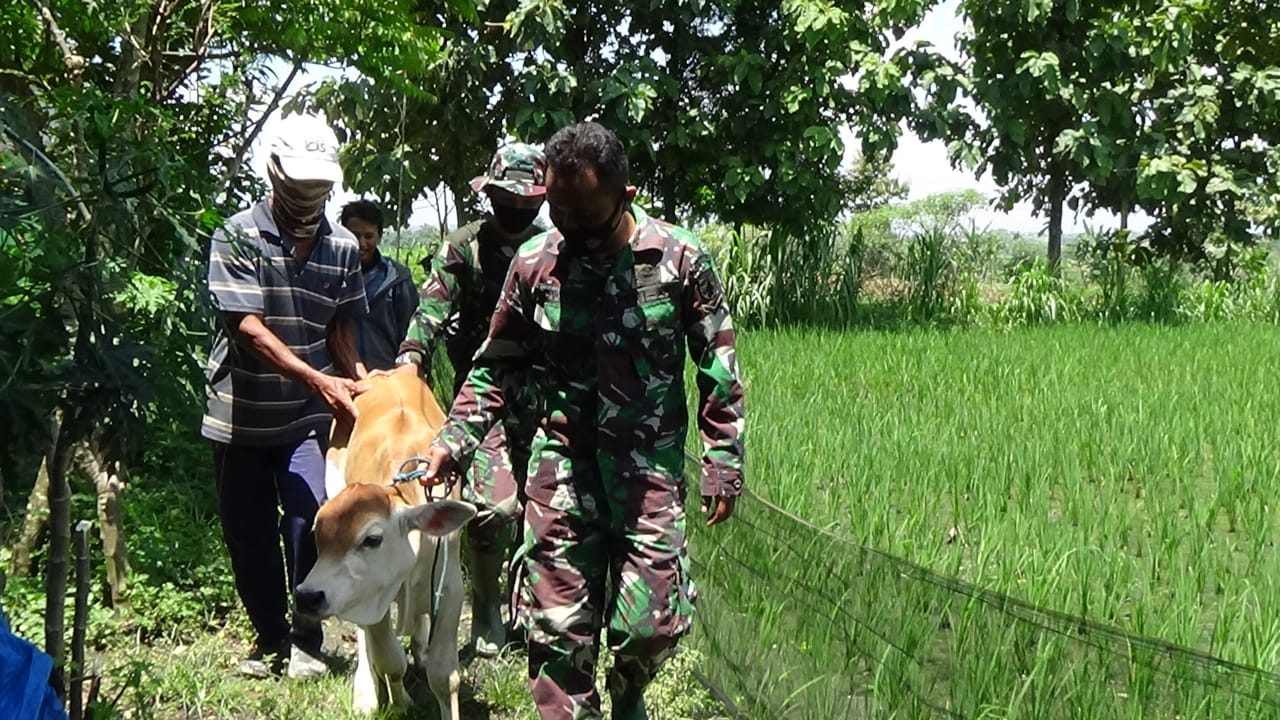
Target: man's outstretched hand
x: 721, y: 511
x: 440, y: 465
x: 338, y: 393
x: 402, y: 368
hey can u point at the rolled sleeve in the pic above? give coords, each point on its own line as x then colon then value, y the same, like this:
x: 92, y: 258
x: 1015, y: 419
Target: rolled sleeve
x: 721, y: 403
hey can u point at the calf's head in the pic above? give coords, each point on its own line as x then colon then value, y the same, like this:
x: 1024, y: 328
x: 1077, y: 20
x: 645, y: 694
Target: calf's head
x: 366, y: 547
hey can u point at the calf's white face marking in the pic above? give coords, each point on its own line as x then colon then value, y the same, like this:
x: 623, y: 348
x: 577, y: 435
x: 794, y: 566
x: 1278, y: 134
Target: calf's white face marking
x: 367, y: 547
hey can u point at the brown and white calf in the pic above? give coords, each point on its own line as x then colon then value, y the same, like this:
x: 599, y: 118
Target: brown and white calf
x: 378, y: 542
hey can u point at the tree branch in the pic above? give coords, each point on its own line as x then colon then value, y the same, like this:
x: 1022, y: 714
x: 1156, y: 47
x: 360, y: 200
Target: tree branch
x: 201, y: 42
x: 57, y: 172
x: 132, y: 55
x: 180, y: 55
x: 233, y: 168
x: 74, y: 62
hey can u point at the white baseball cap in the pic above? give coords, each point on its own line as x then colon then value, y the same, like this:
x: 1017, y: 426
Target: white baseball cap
x: 307, y: 148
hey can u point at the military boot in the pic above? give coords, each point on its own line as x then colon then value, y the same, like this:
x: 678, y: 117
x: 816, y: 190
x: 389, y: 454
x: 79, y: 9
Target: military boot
x: 488, y: 633
x: 629, y: 704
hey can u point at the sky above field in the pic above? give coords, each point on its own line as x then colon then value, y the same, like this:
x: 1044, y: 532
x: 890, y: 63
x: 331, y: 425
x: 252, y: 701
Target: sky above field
x: 923, y: 166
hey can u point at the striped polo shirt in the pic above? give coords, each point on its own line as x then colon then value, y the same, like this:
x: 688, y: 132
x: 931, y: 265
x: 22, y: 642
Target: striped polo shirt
x: 252, y: 270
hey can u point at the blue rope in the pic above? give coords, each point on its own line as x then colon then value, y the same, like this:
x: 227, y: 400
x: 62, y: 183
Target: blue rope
x: 441, y: 562
x: 407, y: 476
x: 435, y: 598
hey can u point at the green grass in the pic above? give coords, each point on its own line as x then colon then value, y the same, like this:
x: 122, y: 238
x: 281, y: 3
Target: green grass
x: 196, y: 679
x: 173, y: 658
x: 1150, y: 452
x: 1126, y: 474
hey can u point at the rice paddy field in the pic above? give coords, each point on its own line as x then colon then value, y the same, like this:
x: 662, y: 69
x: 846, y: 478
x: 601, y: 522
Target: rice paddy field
x: 1126, y: 476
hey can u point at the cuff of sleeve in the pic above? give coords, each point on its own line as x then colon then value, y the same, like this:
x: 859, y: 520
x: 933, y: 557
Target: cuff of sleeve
x: 455, y: 438
x: 240, y: 308
x: 414, y: 346
x: 410, y: 356
x: 721, y: 482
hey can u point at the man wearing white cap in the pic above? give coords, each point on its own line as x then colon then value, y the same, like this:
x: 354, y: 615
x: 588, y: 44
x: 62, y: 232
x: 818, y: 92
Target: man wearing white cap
x: 289, y: 293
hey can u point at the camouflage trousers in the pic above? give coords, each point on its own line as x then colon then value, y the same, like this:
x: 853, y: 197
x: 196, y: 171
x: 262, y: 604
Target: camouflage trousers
x: 600, y: 553
x: 494, y: 477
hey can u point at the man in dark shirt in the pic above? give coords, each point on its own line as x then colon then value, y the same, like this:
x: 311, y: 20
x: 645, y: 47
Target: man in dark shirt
x: 388, y: 286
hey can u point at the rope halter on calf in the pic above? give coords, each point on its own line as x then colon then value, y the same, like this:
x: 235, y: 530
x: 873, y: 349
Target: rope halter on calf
x: 417, y: 473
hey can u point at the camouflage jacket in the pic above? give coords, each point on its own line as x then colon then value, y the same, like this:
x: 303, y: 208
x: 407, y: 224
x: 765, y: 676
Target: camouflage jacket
x: 606, y: 347
x: 463, y: 283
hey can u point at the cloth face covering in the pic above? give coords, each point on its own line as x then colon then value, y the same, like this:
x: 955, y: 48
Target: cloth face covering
x: 581, y: 240
x: 514, y: 219
x: 298, y: 205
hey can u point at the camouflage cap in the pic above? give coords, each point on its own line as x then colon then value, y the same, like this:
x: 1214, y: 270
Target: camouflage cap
x: 516, y: 168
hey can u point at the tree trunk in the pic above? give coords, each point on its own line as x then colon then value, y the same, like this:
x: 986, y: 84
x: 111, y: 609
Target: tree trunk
x: 33, y: 523
x: 133, y: 55
x: 55, y: 577
x: 80, y: 622
x: 1057, y: 198
x: 109, y: 483
x: 463, y: 205
x: 442, y: 213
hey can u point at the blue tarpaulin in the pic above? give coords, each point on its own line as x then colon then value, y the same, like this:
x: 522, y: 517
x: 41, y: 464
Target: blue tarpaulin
x: 25, y: 692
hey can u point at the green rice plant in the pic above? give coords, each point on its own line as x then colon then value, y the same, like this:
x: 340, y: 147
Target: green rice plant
x: 1119, y: 475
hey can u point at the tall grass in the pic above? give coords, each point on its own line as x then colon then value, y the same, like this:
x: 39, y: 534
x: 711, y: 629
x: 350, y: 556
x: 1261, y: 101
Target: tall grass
x: 933, y: 275
x: 775, y: 279
x: 928, y: 264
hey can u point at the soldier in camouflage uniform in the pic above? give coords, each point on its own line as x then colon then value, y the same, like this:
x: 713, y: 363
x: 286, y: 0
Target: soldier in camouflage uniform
x: 602, y: 309
x: 457, y: 301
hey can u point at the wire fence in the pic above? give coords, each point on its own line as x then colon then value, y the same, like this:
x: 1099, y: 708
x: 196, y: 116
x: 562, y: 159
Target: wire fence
x: 796, y: 622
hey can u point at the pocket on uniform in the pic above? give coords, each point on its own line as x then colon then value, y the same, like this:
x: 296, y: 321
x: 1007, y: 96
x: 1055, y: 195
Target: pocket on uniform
x: 659, y: 328
x: 547, y: 310
x: 564, y: 312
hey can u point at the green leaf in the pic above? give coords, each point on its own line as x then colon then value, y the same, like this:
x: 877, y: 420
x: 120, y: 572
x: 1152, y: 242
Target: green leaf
x: 1033, y: 9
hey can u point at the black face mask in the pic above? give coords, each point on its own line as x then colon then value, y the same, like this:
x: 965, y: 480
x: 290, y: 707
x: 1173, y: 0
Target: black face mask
x: 513, y: 219
x: 298, y: 206
x: 581, y: 240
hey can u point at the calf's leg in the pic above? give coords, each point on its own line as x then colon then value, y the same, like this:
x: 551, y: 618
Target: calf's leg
x: 441, y: 662
x: 366, y: 686
x: 389, y: 661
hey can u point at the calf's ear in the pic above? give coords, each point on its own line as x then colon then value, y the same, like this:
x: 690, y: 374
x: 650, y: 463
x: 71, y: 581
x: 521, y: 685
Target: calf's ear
x: 438, y: 517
